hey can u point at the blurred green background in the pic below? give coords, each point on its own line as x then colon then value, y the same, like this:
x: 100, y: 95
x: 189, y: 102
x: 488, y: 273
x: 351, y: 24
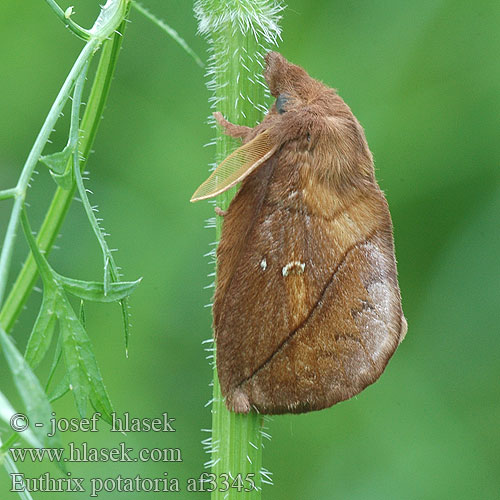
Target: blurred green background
x: 422, y: 78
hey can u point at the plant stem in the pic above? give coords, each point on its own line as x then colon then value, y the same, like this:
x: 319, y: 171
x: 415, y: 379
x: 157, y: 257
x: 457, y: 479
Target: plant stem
x: 68, y: 22
x: 33, y: 157
x: 238, y: 32
x: 11, y: 468
x: 62, y: 198
x: 167, y: 29
x: 8, y: 193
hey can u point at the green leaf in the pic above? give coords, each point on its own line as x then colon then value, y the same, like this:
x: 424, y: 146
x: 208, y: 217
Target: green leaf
x: 60, y: 389
x: 60, y: 166
x: 55, y: 362
x: 126, y: 322
x: 100, y: 402
x: 83, y: 372
x: 41, y: 335
x: 46, y: 272
x: 75, y: 348
x: 94, y: 291
x: 65, y: 180
x: 34, y: 398
x: 6, y: 412
x: 81, y: 314
x: 57, y: 162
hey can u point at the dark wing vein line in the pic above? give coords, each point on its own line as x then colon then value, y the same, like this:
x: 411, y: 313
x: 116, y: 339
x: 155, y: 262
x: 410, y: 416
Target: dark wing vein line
x: 335, y: 215
x: 290, y: 336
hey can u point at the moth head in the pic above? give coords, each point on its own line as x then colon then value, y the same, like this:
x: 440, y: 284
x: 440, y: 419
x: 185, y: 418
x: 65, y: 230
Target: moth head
x: 299, y: 94
x: 283, y: 77
x: 307, y: 118
x: 315, y: 118
x: 290, y: 84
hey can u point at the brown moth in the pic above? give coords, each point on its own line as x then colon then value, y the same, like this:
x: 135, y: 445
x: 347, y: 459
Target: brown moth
x: 307, y: 309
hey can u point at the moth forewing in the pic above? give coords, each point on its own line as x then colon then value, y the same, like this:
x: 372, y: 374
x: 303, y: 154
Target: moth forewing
x: 237, y: 166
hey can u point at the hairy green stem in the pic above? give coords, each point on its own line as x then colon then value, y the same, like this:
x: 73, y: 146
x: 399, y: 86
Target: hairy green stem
x: 109, y: 264
x: 111, y: 272
x: 239, y: 33
x: 62, y: 199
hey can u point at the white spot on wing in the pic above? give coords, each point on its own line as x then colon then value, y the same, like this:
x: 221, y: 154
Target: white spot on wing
x: 295, y: 265
x: 263, y: 264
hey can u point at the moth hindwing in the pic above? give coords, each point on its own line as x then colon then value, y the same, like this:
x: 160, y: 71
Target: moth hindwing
x: 236, y: 167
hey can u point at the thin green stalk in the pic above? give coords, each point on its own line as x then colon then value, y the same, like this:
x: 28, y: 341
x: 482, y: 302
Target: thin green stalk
x: 111, y: 272
x: 168, y: 29
x: 33, y: 157
x: 109, y: 264
x: 239, y: 33
x: 62, y: 199
x: 11, y: 468
x: 68, y: 22
x: 8, y: 193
